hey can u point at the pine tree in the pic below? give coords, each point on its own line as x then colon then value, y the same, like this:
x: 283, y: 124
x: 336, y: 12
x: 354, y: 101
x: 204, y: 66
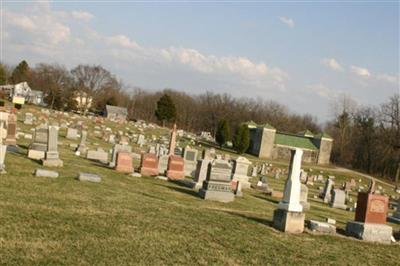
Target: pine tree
x: 166, y: 110
x: 3, y: 75
x: 21, y: 72
x: 242, y: 139
x: 223, y: 132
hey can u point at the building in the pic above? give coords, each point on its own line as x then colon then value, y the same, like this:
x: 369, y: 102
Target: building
x: 24, y: 92
x: 267, y: 143
x: 116, y: 112
x: 83, y: 101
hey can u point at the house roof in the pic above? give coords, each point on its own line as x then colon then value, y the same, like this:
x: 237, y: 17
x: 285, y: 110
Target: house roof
x: 116, y: 110
x: 306, y: 133
x: 323, y: 135
x: 291, y: 140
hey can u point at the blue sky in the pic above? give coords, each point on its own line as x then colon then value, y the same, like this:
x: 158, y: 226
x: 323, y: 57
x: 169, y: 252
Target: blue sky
x: 303, y: 55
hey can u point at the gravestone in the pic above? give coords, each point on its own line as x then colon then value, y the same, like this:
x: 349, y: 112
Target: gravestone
x: 117, y: 148
x: 28, y: 119
x: 254, y: 171
x: 241, y: 167
x: 38, y: 147
x: 46, y: 173
x: 124, y: 162
x: 338, y: 199
x: 370, y: 217
x: 289, y: 216
x: 217, y: 186
x: 149, y: 164
x: 395, y: 218
x: 162, y: 164
x: 11, y: 130
x: 141, y: 140
x: 304, y: 197
x: 326, y: 194
x: 175, y: 168
x: 98, y: 155
x: 72, y: 133
x: 190, y: 160
x: 82, y: 145
x: 52, y: 157
x: 201, y: 172
x: 89, y: 177
x: 3, y: 147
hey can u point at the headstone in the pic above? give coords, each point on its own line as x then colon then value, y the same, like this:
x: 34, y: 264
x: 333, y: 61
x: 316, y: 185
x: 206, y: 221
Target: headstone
x: 326, y: 194
x: 395, y: 218
x: 149, y: 164
x: 72, y: 133
x: 97, y: 155
x: 217, y: 186
x: 172, y: 141
x: 3, y: 147
x: 321, y: 227
x: 52, y: 157
x: 124, y: 162
x: 89, y: 177
x: 82, y: 145
x: 39, y: 145
x: 28, y: 119
x: 141, y: 140
x: 241, y: 167
x: 338, y: 199
x: 11, y: 130
x: 304, y: 197
x: 175, y: 169
x: 46, y: 173
x: 190, y: 160
x: 201, y: 172
x: 162, y: 164
x: 117, y: 148
x: 370, y: 217
x: 289, y: 216
x: 254, y: 171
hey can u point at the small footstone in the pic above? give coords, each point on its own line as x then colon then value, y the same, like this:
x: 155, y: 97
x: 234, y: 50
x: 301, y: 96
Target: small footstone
x: 136, y: 175
x: 89, y: 177
x: 321, y: 227
x: 46, y: 173
x: 162, y: 177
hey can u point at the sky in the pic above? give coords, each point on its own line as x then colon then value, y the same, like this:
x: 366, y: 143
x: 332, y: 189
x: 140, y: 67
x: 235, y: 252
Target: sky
x: 305, y: 55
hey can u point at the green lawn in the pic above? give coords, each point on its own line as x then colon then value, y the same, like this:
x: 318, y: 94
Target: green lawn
x: 127, y: 220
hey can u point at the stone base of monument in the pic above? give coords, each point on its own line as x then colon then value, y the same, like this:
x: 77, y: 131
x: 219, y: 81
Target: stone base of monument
x: 125, y: 169
x: 244, y: 180
x: 36, y: 154
x: 10, y: 142
x: 321, y: 227
x: 306, y: 205
x: 52, y: 162
x: 175, y: 175
x: 381, y: 233
x: 288, y: 221
x: 217, y: 191
x: 339, y: 206
x: 149, y: 171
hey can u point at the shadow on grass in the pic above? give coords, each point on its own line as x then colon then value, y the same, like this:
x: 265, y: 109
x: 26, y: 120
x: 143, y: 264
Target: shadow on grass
x: 251, y: 218
x: 180, y: 189
x: 276, y: 201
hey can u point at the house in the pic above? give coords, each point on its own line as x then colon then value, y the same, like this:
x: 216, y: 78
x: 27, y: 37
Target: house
x: 116, y: 112
x: 267, y: 143
x: 83, y: 101
x: 21, y: 92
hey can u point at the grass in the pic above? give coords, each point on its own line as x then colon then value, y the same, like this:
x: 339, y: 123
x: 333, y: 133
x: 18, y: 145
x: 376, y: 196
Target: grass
x: 127, y: 220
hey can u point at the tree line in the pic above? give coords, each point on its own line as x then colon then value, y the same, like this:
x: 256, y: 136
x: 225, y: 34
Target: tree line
x: 365, y: 138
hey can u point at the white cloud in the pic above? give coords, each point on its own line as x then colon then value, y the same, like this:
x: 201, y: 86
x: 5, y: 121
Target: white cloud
x: 82, y: 15
x: 63, y: 41
x: 332, y: 64
x: 322, y: 91
x: 388, y: 78
x: 288, y: 21
x: 360, y: 71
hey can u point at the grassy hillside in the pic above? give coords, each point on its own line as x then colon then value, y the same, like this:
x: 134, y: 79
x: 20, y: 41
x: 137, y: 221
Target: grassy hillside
x: 128, y: 220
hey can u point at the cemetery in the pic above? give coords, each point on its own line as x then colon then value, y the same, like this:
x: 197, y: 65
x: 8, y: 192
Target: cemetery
x: 159, y: 195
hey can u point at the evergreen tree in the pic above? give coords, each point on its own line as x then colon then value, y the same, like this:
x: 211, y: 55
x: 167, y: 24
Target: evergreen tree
x: 166, y: 110
x: 242, y: 139
x: 223, y: 132
x: 3, y: 75
x: 21, y: 72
